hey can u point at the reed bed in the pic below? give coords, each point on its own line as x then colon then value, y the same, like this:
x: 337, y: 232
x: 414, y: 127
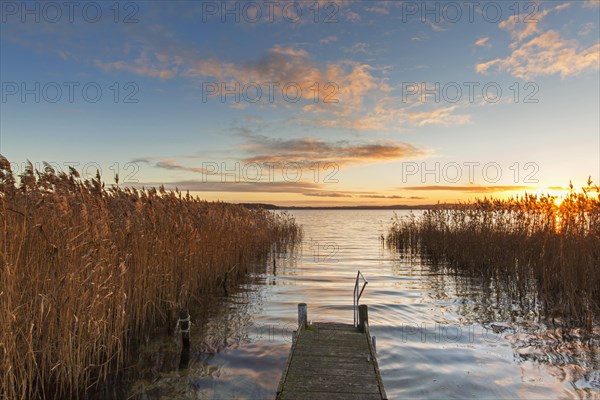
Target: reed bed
x: 541, y: 254
x: 86, y: 271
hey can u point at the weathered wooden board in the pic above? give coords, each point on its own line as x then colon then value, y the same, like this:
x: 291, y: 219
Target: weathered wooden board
x: 299, y: 395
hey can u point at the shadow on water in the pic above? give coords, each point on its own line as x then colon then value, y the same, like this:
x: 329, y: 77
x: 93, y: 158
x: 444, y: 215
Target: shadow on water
x: 162, y: 368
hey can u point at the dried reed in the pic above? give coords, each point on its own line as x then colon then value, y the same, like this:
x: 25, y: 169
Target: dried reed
x: 529, y: 246
x: 85, y: 271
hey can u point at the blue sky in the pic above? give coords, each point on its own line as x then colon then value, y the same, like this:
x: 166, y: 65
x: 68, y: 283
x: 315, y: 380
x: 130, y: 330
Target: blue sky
x: 382, y: 142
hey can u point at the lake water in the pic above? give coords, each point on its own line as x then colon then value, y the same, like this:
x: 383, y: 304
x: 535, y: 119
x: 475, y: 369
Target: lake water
x: 438, y: 336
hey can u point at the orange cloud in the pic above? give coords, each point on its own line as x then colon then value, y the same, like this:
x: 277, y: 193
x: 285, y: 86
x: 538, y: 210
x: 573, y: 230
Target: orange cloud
x: 547, y: 54
x: 170, y: 165
x: 522, y: 26
x: 471, y: 189
x: 327, y: 194
x: 483, y: 42
x: 341, y: 89
x: 310, y: 150
x: 236, y: 187
x: 349, y: 94
x: 144, y: 66
x: 392, y: 112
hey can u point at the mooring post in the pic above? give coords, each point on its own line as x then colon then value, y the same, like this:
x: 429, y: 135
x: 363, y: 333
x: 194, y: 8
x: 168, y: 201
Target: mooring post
x: 184, y: 328
x: 184, y: 359
x: 302, y: 315
x: 363, y: 316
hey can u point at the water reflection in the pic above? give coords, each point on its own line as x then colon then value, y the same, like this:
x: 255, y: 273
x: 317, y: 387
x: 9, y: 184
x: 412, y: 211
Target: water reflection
x: 439, y: 334
x: 569, y: 355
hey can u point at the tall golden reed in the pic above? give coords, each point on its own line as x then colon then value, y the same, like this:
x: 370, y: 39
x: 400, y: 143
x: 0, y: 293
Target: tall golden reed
x: 529, y: 246
x: 85, y: 271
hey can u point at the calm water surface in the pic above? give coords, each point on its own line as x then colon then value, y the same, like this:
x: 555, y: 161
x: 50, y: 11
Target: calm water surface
x: 438, y: 336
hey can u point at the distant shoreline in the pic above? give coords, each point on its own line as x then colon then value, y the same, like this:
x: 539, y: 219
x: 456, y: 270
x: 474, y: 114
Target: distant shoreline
x: 392, y: 207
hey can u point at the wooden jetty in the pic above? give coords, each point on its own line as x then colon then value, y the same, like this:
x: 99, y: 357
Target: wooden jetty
x: 332, y: 361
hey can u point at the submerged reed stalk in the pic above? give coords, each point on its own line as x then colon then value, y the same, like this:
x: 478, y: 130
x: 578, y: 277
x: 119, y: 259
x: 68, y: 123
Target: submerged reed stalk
x: 86, y: 270
x: 528, y: 246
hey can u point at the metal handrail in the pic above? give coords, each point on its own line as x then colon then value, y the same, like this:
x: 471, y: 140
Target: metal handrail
x: 357, y: 295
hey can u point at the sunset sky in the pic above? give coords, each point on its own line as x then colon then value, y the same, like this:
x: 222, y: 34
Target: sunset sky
x: 367, y: 127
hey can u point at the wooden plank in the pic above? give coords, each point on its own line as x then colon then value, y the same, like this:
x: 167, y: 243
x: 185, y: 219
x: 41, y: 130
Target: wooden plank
x: 335, y: 339
x: 301, y: 359
x: 302, y: 367
x: 337, y: 343
x: 319, y: 383
x: 336, y: 326
x: 330, y: 366
x: 336, y: 353
x: 319, y: 331
x: 332, y: 336
x: 330, y: 326
x: 333, y: 374
x: 303, y: 395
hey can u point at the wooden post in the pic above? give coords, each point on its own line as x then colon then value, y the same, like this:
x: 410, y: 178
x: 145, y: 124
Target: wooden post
x: 363, y: 316
x: 184, y: 360
x: 184, y: 327
x: 302, y: 315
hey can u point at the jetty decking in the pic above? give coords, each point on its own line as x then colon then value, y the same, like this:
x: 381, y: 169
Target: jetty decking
x: 331, y: 361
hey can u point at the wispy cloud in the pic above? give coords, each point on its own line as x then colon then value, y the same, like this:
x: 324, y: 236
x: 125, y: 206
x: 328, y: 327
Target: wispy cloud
x: 303, y: 151
x: 145, y: 65
x: 236, y: 187
x: 547, y: 54
x: 483, y: 42
x: 229, y: 184
x: 327, y: 194
x: 436, y: 27
x: 349, y: 82
x: 470, y: 189
x: 272, y: 153
x: 349, y: 91
x: 535, y: 53
x: 420, y: 37
x: 378, y: 10
x: 352, y: 16
x: 522, y: 26
x: 328, y: 39
x: 393, y: 196
x: 361, y: 195
x: 382, y: 7
x: 169, y: 164
x: 358, y: 48
x: 587, y: 28
x: 391, y: 111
